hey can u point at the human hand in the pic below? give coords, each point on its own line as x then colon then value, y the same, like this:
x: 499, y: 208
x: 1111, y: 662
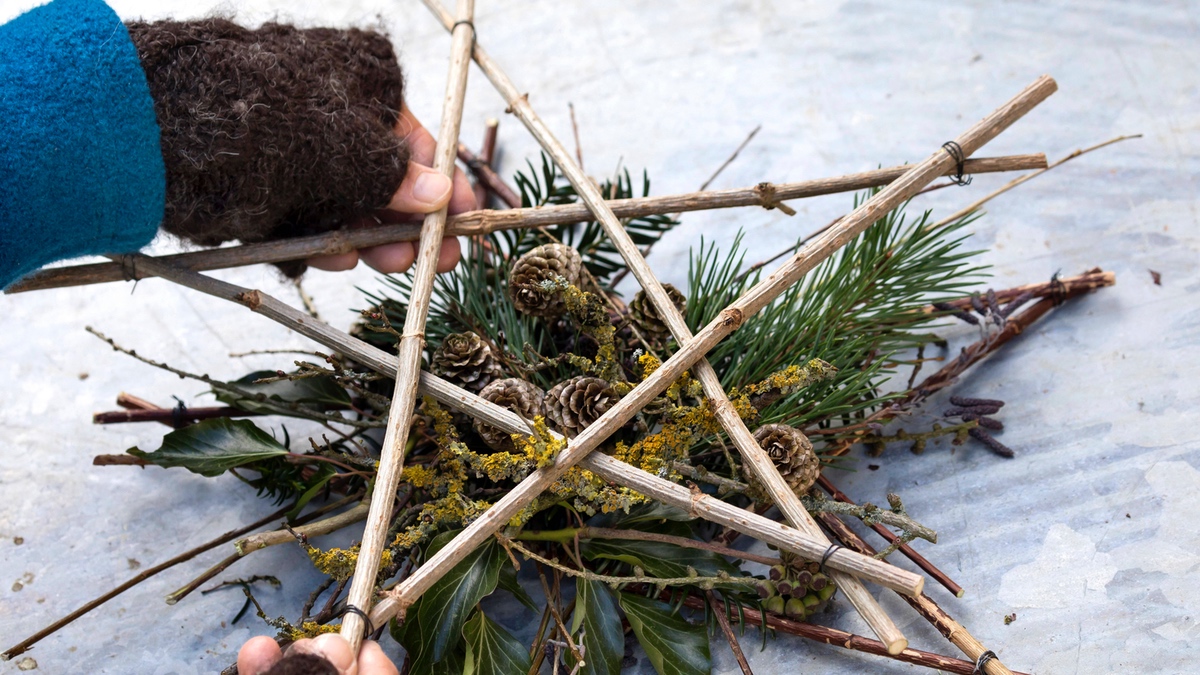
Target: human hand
x: 423, y: 190
x: 261, y: 654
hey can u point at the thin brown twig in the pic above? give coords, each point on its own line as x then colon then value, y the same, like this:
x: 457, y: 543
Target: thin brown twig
x: 723, y: 621
x: 839, y: 638
x: 926, y: 607
x: 703, y: 186
x: 552, y: 603
x: 920, y: 560
x: 575, y: 131
x: 28, y: 642
x: 967, y: 210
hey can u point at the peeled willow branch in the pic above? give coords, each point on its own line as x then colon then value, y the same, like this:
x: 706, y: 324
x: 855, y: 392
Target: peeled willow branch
x: 486, y: 221
x: 412, y: 341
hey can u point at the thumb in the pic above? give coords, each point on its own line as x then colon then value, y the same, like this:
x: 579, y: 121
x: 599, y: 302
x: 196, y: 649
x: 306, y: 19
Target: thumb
x: 422, y: 191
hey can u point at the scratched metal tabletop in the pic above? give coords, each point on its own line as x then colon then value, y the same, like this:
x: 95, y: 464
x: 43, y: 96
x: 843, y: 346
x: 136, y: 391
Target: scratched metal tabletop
x: 1089, y: 535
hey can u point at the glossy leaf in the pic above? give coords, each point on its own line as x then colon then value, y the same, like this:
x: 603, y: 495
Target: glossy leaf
x: 652, y: 512
x: 508, y: 582
x: 660, y: 559
x: 214, y: 446
x: 492, y: 650
x: 603, y: 637
x: 312, y: 392
x: 675, y: 647
x: 435, y: 622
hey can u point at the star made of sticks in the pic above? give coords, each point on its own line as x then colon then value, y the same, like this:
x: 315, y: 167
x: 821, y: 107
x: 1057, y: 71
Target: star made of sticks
x: 801, y: 535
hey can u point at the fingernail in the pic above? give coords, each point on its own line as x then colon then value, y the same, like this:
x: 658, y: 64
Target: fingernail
x: 431, y: 187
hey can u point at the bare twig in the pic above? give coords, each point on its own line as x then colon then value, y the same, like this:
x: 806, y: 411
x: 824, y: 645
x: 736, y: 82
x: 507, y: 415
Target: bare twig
x: 28, y: 642
x: 838, y: 638
x: 974, y: 206
x: 946, y: 625
x: 730, y: 159
x: 485, y: 221
x: 723, y: 621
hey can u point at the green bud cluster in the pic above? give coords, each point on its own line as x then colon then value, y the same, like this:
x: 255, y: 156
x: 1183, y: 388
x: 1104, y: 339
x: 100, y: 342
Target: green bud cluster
x: 797, y: 589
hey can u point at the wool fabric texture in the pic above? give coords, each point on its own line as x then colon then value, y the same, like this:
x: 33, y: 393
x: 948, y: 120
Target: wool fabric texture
x: 81, y: 171
x: 272, y: 132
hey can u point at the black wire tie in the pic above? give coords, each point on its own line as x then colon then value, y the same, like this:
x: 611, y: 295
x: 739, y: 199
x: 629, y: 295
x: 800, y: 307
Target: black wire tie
x: 955, y: 150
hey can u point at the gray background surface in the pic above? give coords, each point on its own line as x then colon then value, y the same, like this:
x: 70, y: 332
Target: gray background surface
x: 1089, y: 535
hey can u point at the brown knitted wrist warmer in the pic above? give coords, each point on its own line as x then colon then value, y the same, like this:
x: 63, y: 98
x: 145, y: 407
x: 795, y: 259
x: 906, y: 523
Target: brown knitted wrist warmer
x: 274, y: 132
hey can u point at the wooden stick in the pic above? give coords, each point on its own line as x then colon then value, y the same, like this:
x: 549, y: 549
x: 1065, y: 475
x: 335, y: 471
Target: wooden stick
x: 1087, y: 281
x: 918, y: 559
x: 604, y: 466
x: 169, y: 416
x: 1021, y: 179
x: 723, y: 621
x: 838, y: 638
x: 486, y: 221
x: 946, y: 625
x: 906, y: 186
x: 412, y: 339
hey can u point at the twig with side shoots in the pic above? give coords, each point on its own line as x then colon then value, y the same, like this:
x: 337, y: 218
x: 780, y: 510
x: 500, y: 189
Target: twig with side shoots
x: 718, y: 611
x: 24, y: 645
x: 839, y: 638
x: 920, y: 560
x: 971, y: 208
x: 293, y: 409
x: 486, y: 221
x: 244, y: 547
x: 602, y: 465
x: 693, y: 348
x: 412, y: 340
x: 586, y: 532
x: 946, y: 625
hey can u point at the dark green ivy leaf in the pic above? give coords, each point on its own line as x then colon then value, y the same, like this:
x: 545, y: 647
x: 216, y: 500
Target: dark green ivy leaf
x: 660, y: 559
x: 492, y: 650
x: 435, y: 622
x: 211, y: 447
x: 313, y: 392
x: 640, y: 514
x: 603, y: 637
x: 508, y: 581
x: 407, y: 633
x: 674, y: 646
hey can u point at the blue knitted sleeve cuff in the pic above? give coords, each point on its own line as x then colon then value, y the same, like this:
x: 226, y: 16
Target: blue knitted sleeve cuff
x: 81, y: 169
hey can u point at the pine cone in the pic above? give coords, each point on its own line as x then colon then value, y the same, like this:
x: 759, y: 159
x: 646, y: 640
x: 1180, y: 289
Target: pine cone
x: 573, y: 405
x: 543, y: 263
x: 517, y: 395
x: 792, y: 453
x: 466, y: 359
x: 646, y: 317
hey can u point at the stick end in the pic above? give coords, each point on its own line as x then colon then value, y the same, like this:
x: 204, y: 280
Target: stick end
x: 897, y: 646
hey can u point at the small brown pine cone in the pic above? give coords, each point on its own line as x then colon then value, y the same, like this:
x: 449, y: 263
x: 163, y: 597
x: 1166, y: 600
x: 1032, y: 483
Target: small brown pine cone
x: 792, y: 453
x: 646, y: 317
x: 544, y: 263
x: 466, y: 359
x: 573, y: 405
x: 517, y: 395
